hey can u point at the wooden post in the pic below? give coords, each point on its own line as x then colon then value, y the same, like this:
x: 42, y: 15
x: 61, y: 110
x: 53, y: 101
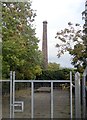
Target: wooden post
x: 77, y: 96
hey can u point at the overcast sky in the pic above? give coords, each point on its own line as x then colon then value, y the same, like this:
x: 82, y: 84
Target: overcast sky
x: 57, y: 13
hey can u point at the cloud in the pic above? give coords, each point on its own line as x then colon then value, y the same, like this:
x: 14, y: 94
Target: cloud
x: 64, y: 61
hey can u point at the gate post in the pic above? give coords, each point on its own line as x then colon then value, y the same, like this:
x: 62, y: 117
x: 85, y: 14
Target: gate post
x: 51, y: 99
x: 13, y: 92
x: 84, y: 93
x: 10, y: 94
x: 77, y: 96
x: 32, y: 99
x: 71, y: 112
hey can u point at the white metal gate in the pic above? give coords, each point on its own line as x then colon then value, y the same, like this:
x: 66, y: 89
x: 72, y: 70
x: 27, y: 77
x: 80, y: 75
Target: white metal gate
x: 14, y: 103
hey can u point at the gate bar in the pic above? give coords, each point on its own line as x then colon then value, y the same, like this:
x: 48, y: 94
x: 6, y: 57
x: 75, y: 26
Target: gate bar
x: 61, y: 81
x: 32, y: 100
x: 10, y: 94
x: 13, y: 92
x: 70, y: 94
x: 4, y: 80
x: 51, y: 99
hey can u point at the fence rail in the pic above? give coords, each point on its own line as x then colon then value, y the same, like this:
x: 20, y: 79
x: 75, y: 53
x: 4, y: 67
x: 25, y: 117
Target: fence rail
x: 32, y: 92
x: 41, y: 81
x: 13, y: 102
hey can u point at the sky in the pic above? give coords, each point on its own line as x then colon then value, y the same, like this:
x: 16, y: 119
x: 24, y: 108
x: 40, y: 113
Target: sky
x: 57, y: 13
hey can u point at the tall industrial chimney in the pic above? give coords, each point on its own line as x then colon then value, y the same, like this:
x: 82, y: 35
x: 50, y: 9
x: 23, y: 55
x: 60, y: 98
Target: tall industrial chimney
x: 44, y: 45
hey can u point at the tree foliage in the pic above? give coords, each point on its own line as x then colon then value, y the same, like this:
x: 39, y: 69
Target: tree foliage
x: 19, y: 43
x: 58, y: 74
x: 70, y: 39
x: 84, y: 15
x: 53, y: 66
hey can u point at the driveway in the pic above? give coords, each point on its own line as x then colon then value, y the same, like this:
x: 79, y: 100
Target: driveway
x: 41, y: 104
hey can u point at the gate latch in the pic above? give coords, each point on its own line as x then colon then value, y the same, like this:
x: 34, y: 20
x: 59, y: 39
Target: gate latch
x: 18, y: 106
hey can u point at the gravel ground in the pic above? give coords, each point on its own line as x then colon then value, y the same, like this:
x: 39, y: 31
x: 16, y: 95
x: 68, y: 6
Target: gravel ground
x: 41, y: 104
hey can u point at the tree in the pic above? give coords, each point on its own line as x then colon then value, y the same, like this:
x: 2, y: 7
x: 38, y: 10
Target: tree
x: 53, y: 66
x: 70, y: 39
x: 84, y: 14
x: 19, y: 43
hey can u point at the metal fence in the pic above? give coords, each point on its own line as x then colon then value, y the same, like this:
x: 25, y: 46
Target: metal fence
x: 14, y: 103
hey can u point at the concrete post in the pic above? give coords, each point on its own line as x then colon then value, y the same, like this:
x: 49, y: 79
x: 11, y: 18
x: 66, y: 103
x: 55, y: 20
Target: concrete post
x: 77, y: 96
x: 84, y: 93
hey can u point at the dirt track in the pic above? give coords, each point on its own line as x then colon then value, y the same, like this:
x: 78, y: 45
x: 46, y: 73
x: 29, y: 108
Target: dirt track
x: 41, y: 104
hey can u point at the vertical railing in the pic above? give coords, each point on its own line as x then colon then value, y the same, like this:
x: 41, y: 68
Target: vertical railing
x: 32, y: 99
x: 0, y: 99
x: 51, y: 99
x: 11, y: 94
x: 71, y: 112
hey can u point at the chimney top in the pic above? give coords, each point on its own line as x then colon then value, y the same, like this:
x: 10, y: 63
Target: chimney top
x: 45, y: 21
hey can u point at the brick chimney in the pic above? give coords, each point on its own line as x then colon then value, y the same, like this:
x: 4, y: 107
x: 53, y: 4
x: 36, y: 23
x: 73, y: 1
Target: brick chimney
x: 44, y: 45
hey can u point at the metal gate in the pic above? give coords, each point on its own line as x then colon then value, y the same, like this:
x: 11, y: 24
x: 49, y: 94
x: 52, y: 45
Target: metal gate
x: 14, y: 103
